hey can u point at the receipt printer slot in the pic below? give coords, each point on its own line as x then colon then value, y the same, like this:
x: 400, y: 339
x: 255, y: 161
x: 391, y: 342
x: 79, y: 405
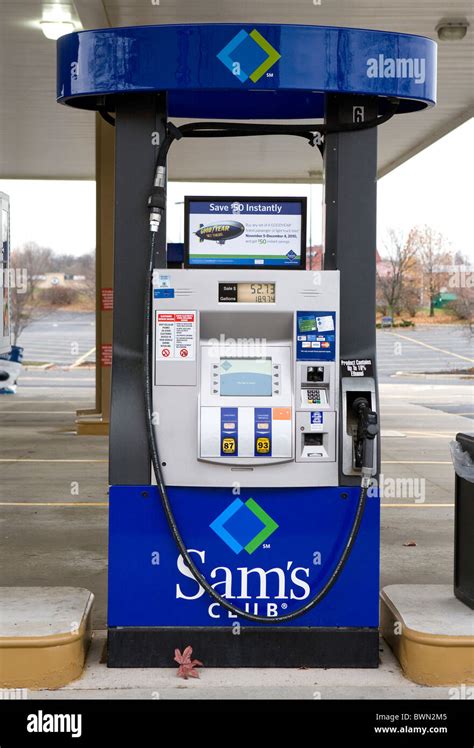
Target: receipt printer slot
x: 312, y: 440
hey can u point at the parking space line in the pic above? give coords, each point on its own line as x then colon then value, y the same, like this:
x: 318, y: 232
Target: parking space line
x: 55, y: 503
x: 430, y: 434
x: 55, y: 379
x: 433, y: 347
x: 82, y: 358
x: 428, y: 396
x: 405, y: 506
x: 30, y: 459
x: 106, y: 503
x: 436, y: 413
x: 36, y: 412
x: 47, y: 459
x: 419, y: 435
x: 416, y: 462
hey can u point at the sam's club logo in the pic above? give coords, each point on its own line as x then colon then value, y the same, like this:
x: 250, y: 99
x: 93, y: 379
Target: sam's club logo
x: 248, y: 56
x: 244, y: 526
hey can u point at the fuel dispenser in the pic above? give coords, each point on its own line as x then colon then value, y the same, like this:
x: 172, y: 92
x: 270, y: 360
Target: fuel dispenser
x: 244, y: 440
x: 235, y: 383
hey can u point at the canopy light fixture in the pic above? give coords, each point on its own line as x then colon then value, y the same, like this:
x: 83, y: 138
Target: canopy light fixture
x: 55, y: 29
x: 57, y: 21
x: 452, y: 30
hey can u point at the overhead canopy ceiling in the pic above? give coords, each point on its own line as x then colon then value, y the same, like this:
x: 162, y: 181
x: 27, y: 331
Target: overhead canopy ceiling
x: 41, y: 139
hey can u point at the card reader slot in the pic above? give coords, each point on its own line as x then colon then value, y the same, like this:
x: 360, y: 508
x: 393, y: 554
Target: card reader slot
x: 315, y: 374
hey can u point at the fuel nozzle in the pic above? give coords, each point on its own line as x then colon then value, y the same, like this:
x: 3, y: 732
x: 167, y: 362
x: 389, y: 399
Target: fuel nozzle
x: 157, y: 199
x: 367, y: 430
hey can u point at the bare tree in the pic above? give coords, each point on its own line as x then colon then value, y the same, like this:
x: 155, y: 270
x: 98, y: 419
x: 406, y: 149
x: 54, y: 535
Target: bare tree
x: 431, y: 250
x: 464, y: 306
x: 395, y: 277
x: 32, y: 261
x: 462, y: 283
x: 86, y: 266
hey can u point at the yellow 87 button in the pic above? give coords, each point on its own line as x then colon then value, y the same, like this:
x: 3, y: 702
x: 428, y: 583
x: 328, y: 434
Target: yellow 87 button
x: 228, y: 445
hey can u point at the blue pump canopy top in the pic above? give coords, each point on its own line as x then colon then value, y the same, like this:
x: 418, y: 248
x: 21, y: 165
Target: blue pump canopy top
x: 233, y: 71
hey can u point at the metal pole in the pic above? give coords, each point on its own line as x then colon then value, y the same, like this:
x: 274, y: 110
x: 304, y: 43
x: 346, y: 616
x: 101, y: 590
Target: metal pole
x: 350, y: 164
x: 140, y: 126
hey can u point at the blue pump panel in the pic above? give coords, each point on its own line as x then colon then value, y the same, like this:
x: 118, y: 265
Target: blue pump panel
x: 246, y: 71
x: 269, y: 550
x: 315, y: 336
x: 175, y: 251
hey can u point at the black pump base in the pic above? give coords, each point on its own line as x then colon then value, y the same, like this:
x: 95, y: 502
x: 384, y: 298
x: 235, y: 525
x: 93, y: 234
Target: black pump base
x: 252, y: 647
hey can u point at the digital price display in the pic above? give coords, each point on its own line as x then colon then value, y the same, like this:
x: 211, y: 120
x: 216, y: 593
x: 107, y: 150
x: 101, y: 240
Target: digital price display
x: 247, y: 293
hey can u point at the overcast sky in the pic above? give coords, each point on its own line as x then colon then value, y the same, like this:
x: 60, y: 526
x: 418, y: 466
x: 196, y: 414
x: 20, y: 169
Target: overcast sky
x: 434, y: 188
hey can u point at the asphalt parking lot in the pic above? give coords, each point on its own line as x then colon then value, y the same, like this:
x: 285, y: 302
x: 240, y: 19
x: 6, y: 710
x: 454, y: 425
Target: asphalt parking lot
x: 424, y: 350
x: 61, y: 338
x: 54, y: 534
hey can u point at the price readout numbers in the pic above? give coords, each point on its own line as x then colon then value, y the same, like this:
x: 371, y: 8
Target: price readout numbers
x: 247, y: 293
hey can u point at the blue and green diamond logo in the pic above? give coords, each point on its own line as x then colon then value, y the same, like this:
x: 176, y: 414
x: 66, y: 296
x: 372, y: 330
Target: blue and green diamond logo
x: 248, y: 56
x: 244, y: 526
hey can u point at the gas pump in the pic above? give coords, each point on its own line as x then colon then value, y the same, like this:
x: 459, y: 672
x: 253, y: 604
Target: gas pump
x: 260, y: 407
x: 244, y: 430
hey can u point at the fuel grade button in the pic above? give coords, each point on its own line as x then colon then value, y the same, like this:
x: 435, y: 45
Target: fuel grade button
x: 228, y: 445
x: 262, y: 445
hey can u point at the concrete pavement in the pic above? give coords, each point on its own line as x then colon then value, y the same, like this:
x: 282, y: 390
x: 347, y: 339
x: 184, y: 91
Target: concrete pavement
x: 98, y: 682
x: 53, y: 505
x: 53, y: 502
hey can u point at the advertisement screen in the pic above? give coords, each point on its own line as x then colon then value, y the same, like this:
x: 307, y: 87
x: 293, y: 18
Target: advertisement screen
x: 245, y: 232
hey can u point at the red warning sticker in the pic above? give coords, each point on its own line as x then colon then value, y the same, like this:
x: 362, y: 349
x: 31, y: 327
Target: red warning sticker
x: 106, y: 354
x: 175, y: 336
x: 107, y: 299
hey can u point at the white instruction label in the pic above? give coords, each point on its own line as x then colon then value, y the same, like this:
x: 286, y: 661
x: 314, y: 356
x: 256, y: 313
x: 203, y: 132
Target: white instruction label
x: 317, y: 419
x: 175, y: 336
x: 164, y: 281
x: 325, y: 324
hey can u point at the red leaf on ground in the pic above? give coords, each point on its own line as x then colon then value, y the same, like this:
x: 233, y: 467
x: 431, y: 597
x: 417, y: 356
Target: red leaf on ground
x: 186, y: 664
